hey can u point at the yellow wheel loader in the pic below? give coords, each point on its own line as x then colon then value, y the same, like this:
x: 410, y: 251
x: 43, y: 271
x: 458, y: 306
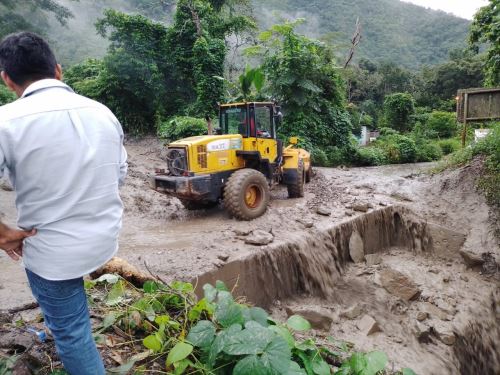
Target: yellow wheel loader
x: 238, y: 165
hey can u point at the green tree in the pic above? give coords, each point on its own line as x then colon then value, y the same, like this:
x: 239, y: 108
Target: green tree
x: 398, y: 110
x: 443, y: 124
x: 30, y: 15
x: 303, y: 76
x: 485, y: 28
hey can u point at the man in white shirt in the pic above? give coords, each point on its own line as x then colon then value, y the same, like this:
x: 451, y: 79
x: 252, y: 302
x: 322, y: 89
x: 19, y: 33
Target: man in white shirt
x: 65, y: 158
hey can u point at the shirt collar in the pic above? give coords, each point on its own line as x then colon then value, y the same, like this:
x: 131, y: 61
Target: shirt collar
x: 42, y: 85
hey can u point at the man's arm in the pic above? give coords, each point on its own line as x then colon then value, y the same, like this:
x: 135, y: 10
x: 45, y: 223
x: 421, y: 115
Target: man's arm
x: 123, y: 166
x: 11, y: 240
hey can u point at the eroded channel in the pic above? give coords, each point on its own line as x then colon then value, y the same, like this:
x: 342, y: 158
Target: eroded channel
x: 386, y: 280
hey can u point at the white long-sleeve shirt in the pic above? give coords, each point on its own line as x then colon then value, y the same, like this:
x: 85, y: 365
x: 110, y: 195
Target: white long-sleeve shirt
x: 65, y: 158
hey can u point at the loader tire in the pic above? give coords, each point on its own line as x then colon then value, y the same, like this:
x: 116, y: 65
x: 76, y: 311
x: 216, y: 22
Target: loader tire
x: 246, y: 194
x: 296, y: 190
x: 195, y: 205
x: 309, y: 174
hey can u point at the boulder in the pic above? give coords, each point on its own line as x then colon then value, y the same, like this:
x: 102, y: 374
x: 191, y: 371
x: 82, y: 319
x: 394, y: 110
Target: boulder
x: 356, y: 248
x: 373, y: 259
x: 320, y: 318
x: 368, y: 325
x: 352, y: 312
x: 433, y: 311
x: 242, y: 232
x: 361, y: 207
x: 471, y: 259
x: 307, y: 223
x: 421, y: 316
x: 322, y: 210
x: 421, y: 331
x: 398, y: 284
x: 444, y: 333
x: 259, y: 238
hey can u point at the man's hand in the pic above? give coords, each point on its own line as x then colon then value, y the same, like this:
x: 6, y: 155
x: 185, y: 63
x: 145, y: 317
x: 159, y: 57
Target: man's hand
x: 11, y: 240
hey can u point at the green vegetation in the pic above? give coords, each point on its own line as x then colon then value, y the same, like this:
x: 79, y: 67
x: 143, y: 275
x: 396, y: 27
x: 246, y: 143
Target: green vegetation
x: 167, y: 328
x: 181, y: 127
x: 398, y: 109
x: 486, y: 29
x: 6, y: 96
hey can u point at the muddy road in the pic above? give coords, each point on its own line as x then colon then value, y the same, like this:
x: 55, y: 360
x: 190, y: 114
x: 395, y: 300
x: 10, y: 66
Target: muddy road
x: 161, y: 237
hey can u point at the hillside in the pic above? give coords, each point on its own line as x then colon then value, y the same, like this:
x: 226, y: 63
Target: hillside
x: 392, y: 30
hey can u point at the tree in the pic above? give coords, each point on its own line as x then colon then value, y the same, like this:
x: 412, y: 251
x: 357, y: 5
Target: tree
x: 485, y: 28
x: 303, y: 76
x: 398, y: 109
x: 30, y: 15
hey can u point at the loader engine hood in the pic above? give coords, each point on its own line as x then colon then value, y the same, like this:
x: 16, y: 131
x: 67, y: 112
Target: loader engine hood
x: 203, y: 154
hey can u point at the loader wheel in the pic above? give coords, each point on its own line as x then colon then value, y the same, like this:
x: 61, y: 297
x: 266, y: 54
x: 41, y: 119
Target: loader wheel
x: 296, y: 190
x: 309, y: 173
x: 195, y: 205
x: 246, y: 194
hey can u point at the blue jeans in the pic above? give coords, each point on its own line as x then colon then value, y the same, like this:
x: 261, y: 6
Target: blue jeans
x: 64, y: 307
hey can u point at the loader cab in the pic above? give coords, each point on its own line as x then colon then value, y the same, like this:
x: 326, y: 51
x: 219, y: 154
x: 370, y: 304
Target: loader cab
x: 251, y: 120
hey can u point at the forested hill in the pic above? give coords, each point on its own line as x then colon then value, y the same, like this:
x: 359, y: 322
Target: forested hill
x: 392, y: 30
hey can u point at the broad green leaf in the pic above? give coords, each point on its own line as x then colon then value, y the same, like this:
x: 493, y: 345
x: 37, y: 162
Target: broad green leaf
x: 357, y: 363
x: 209, y: 292
x: 144, y: 307
x: 115, y: 295
x: 320, y: 367
x: 265, y: 35
x: 295, y: 369
x: 88, y: 284
x: 182, y: 286
x: 215, y: 349
x: 150, y: 286
x: 180, y: 351
x: 181, y: 366
x: 252, y: 340
x: 250, y: 365
x: 108, y: 278
x: 162, y: 319
x: 408, y: 371
x: 298, y: 323
x: 277, y: 355
x: 259, y: 315
x: 202, y: 334
x: 308, y: 344
x: 201, y: 306
x: 221, y: 287
x: 376, y: 362
x: 306, y: 361
x: 258, y: 79
x: 152, y: 342
x: 228, y: 313
x: 285, y: 333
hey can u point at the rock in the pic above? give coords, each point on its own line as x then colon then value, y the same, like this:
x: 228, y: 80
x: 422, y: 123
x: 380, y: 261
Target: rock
x: 223, y: 257
x: 373, y: 259
x: 361, y: 207
x: 352, y: 312
x: 349, y: 212
x: 16, y: 339
x: 471, y: 259
x: 421, y: 331
x: 444, y: 333
x: 307, y: 223
x: 383, y: 204
x: 433, y: 311
x: 259, y: 237
x: 398, y: 284
x: 434, y: 270
x: 401, y: 197
x: 356, y: 248
x: 421, y: 316
x: 320, y: 318
x: 322, y: 210
x: 398, y: 307
x: 368, y: 325
x: 242, y: 232
x: 464, y: 278
x: 446, y: 278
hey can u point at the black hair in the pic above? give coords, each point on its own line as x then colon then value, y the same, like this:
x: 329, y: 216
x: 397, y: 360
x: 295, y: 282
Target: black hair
x: 26, y: 57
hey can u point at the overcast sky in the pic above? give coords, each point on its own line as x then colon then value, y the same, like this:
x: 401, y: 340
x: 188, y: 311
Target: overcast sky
x: 461, y: 8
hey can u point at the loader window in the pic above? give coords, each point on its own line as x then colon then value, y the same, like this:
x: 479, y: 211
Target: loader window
x: 264, y: 124
x: 234, y: 121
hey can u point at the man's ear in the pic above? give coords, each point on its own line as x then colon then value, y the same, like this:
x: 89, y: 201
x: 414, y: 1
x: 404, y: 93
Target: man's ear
x: 8, y: 82
x: 59, y: 73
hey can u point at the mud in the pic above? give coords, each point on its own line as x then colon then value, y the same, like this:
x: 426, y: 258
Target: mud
x: 416, y: 222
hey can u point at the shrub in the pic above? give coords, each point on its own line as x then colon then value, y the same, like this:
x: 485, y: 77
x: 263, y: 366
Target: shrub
x: 399, y: 109
x: 335, y: 156
x: 449, y: 145
x: 370, y: 156
x: 6, y: 96
x: 398, y: 148
x: 444, y: 124
x: 182, y: 127
x: 319, y: 157
x: 428, y: 151
x: 387, y: 131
